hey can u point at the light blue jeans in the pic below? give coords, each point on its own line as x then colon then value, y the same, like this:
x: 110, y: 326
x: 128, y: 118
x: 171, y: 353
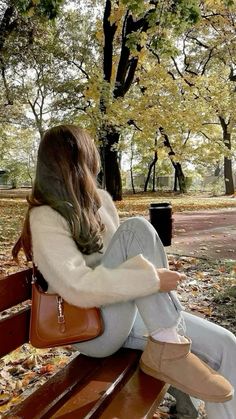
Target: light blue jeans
x: 128, y: 324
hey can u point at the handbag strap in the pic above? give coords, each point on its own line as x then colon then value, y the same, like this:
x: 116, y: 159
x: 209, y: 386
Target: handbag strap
x: 38, y: 277
x: 34, y: 275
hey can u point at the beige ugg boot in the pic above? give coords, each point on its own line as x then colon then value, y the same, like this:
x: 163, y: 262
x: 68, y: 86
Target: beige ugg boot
x: 176, y: 365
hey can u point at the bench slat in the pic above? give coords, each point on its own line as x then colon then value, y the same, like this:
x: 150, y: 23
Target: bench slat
x: 15, y: 289
x: 15, y: 330
x: 139, y: 398
x: 89, y: 401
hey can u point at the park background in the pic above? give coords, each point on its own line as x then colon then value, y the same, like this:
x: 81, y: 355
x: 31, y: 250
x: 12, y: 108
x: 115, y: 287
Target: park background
x: 153, y: 82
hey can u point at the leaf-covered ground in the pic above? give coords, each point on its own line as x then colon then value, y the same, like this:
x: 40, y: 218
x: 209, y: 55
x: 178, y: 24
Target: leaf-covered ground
x: 210, y: 289
x: 25, y: 369
x: 11, y: 219
x: 139, y: 203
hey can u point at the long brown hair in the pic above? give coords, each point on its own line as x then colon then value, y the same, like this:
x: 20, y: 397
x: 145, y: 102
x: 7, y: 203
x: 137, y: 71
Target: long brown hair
x: 67, y: 165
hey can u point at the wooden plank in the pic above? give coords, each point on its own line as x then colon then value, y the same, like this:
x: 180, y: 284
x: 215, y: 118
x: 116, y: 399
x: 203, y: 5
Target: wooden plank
x: 139, y: 398
x: 39, y: 403
x: 89, y: 401
x: 158, y: 401
x: 15, y: 289
x: 14, y: 331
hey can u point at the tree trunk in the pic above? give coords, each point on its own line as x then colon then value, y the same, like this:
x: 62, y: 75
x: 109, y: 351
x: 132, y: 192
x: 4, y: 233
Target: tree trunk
x: 110, y: 178
x: 131, y: 165
x: 132, y: 179
x: 154, y: 166
x: 154, y: 176
x: 175, y: 182
x: 228, y: 172
x: 228, y: 176
x: 151, y: 166
x: 179, y: 174
x: 181, y: 178
x: 217, y: 169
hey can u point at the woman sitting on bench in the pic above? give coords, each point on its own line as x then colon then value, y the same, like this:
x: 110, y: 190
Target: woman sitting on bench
x: 72, y: 231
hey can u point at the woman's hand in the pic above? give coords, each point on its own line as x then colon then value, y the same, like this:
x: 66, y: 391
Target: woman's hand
x: 169, y: 280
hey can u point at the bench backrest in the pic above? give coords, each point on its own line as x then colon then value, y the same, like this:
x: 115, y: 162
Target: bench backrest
x: 14, y: 326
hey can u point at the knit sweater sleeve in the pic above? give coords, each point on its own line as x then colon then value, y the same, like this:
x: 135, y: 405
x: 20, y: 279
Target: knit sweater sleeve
x: 64, y: 267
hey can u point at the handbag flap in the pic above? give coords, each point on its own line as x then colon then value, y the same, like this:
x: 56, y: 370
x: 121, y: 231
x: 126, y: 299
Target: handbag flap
x: 54, y: 322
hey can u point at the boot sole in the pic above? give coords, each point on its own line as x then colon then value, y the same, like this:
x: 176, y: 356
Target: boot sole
x: 166, y: 379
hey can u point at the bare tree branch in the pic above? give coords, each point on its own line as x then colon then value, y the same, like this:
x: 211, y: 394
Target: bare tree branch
x: 181, y: 74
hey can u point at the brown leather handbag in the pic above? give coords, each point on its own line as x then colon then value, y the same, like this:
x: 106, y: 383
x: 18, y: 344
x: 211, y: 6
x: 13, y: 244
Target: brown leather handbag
x: 54, y: 322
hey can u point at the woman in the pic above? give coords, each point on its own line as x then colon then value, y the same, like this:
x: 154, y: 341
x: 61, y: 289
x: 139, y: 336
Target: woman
x: 72, y: 232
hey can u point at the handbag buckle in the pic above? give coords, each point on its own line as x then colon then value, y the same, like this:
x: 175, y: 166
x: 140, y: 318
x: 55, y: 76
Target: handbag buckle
x: 60, y: 317
x: 33, y: 279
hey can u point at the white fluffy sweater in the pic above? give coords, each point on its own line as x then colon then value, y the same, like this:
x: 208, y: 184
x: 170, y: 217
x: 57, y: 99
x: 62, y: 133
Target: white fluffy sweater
x: 81, y: 279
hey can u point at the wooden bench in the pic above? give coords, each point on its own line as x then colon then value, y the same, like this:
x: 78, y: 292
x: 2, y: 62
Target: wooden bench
x: 111, y: 387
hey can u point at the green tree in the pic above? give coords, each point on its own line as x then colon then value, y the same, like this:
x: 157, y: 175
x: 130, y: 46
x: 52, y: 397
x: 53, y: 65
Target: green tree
x: 128, y: 27
x: 18, y: 17
x: 18, y: 23
x: 208, y: 56
x: 18, y: 154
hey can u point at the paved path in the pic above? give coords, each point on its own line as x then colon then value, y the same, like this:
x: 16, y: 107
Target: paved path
x: 209, y: 234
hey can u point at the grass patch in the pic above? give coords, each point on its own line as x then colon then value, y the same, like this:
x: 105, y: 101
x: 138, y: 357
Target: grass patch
x: 139, y: 203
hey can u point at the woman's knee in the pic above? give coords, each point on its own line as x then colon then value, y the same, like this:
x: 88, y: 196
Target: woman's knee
x: 143, y: 238
x: 119, y: 317
x: 99, y: 350
x: 138, y: 225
